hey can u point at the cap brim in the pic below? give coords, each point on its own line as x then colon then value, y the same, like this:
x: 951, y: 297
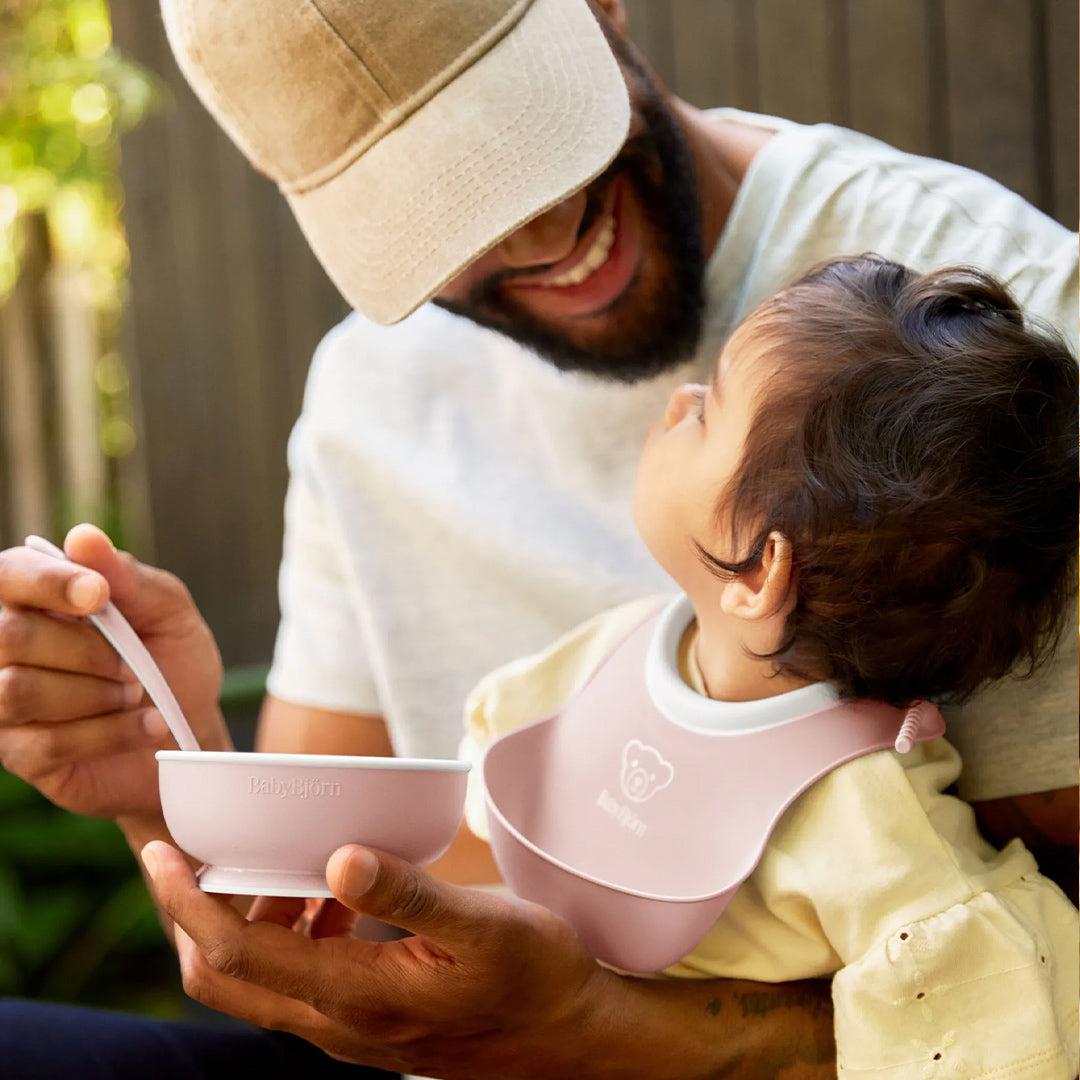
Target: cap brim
x: 538, y: 116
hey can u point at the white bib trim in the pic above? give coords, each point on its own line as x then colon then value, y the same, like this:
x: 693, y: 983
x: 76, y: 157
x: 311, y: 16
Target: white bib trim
x: 684, y: 706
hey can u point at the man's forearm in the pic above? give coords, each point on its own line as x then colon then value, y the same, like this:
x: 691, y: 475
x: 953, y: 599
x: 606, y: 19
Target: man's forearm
x: 711, y: 1029
x: 1047, y: 824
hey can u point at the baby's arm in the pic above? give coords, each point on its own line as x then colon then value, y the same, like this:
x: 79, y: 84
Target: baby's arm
x: 957, y: 960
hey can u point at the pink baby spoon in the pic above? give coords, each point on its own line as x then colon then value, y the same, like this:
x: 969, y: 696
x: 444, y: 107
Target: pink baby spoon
x: 118, y: 633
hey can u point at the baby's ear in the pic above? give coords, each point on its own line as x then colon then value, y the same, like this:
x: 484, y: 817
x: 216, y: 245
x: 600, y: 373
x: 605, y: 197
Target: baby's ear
x: 768, y: 589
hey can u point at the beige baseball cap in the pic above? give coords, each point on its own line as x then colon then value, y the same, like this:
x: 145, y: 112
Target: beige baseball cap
x: 408, y: 136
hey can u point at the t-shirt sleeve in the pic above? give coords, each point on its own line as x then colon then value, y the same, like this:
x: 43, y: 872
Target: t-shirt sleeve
x: 1020, y: 736
x: 533, y: 687
x: 319, y: 657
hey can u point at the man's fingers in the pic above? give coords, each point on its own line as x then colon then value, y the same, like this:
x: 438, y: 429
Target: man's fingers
x: 279, y: 910
x: 29, y: 578
x: 268, y: 955
x: 318, y: 918
x: 33, y: 639
x: 29, y: 694
x: 396, y: 892
x: 256, y: 1004
x: 333, y: 919
x: 35, y: 750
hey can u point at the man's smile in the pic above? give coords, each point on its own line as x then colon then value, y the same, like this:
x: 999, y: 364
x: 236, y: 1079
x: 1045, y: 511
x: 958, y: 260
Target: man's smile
x: 596, y: 272
x: 610, y: 281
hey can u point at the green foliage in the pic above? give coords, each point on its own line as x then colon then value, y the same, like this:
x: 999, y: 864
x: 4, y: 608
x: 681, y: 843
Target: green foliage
x: 76, y: 921
x: 67, y: 92
x: 65, y: 96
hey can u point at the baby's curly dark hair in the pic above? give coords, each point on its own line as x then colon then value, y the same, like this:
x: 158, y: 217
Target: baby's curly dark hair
x: 916, y: 442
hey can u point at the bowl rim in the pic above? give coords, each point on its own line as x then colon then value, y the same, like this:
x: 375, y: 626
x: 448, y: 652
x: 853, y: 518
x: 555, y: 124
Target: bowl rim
x: 317, y: 761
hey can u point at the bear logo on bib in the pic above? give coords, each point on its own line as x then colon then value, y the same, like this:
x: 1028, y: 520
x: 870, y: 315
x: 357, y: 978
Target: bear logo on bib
x: 644, y: 772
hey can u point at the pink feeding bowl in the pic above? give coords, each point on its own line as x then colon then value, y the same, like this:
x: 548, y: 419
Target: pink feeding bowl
x: 266, y: 824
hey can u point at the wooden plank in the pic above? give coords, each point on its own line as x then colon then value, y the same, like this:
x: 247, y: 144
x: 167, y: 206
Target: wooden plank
x: 715, y: 53
x: 1062, y: 95
x: 180, y: 296
x: 801, y: 60
x: 312, y: 305
x: 146, y: 316
x: 76, y: 345
x: 889, y: 75
x: 651, y: 30
x: 228, y: 304
x: 257, y: 281
x: 24, y: 451
x: 990, y: 60
x: 134, y: 516
x: 309, y: 305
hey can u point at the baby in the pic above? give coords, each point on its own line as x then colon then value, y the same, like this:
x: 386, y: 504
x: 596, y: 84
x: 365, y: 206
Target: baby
x: 875, y: 499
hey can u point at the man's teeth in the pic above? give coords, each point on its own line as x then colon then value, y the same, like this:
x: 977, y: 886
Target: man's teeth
x: 593, y: 259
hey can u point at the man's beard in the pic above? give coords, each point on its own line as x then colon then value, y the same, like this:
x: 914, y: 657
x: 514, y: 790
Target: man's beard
x: 653, y: 325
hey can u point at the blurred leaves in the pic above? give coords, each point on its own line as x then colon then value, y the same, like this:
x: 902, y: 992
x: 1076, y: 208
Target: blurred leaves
x: 76, y: 921
x: 72, y: 907
x: 65, y: 96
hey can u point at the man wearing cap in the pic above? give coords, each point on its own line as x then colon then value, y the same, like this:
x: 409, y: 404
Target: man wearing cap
x: 459, y: 495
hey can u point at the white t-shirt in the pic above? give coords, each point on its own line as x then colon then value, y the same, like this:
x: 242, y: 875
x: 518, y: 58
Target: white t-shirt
x: 455, y: 501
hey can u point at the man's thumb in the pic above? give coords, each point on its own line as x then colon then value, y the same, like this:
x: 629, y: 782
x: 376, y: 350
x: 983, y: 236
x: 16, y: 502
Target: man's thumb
x: 143, y: 593
x: 393, y: 891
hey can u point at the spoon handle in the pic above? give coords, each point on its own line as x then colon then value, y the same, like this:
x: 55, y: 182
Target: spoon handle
x: 118, y: 633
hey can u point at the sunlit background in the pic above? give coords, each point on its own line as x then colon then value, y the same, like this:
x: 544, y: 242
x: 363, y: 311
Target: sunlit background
x: 75, y: 922
x: 65, y: 97
x: 158, y: 310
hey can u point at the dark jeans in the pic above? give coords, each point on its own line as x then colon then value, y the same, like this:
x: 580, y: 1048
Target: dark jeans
x: 44, y: 1041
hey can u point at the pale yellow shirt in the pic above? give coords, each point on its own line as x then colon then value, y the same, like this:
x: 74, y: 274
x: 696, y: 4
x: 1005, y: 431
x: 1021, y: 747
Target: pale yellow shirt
x: 948, y: 958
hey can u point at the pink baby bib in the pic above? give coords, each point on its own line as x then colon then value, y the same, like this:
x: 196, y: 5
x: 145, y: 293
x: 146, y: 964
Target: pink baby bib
x: 638, y: 830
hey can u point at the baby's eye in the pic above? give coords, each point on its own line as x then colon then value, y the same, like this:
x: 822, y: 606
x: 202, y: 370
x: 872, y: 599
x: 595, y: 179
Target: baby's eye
x: 699, y: 407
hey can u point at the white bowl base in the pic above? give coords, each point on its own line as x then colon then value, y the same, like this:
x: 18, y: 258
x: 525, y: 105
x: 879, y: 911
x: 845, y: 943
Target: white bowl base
x: 217, y: 879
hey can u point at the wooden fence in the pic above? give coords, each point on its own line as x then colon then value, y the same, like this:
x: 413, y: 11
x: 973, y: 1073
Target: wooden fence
x: 227, y: 303
x: 51, y: 339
